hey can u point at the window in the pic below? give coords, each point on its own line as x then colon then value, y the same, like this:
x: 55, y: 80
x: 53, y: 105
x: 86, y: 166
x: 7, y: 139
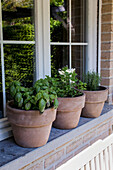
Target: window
x: 39, y: 36
x: 17, y: 41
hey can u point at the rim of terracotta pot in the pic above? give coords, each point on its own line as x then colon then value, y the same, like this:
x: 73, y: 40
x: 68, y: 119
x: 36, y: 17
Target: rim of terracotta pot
x: 9, y: 106
x: 83, y: 94
x: 104, y: 89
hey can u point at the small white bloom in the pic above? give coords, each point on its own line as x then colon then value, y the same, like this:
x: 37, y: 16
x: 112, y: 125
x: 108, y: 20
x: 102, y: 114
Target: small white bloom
x: 72, y: 70
x: 61, y: 72
x: 68, y: 71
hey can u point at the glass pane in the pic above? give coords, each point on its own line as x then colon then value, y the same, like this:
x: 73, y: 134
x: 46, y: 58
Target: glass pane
x: 1, y: 91
x: 78, y: 59
x: 59, y: 58
x: 19, y: 64
x: 59, y: 21
x: 18, y: 20
x: 78, y: 19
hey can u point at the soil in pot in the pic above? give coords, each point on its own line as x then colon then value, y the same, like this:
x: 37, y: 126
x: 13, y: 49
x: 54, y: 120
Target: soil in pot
x: 68, y: 112
x: 94, y: 102
x: 30, y: 128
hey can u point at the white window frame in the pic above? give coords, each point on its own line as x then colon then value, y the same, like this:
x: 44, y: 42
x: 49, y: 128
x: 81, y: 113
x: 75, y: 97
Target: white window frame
x: 42, y: 43
x: 91, y: 60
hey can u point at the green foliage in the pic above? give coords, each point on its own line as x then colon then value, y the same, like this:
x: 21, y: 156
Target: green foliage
x: 39, y: 97
x: 67, y: 84
x: 93, y: 80
x: 18, y: 58
x: 56, y: 2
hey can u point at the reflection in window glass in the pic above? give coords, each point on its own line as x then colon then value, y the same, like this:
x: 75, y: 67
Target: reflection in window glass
x: 59, y: 58
x: 59, y: 21
x: 18, y: 21
x: 19, y: 64
x: 78, y: 60
x: 78, y: 20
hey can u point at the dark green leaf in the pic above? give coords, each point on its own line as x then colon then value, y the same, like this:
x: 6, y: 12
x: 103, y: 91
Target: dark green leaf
x: 37, y: 89
x: 46, y: 97
x: 18, y: 97
x: 17, y: 83
x: 56, y: 103
x: 12, y: 91
x: 27, y: 106
x: 38, y: 96
x: 20, y: 103
x: 42, y: 105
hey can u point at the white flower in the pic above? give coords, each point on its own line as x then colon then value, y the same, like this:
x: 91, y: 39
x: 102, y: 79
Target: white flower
x: 70, y: 70
x: 61, y: 72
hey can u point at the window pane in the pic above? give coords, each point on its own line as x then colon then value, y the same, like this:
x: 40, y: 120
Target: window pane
x: 59, y: 22
x: 18, y: 20
x: 78, y: 59
x: 78, y: 20
x: 19, y: 64
x: 59, y: 58
x: 1, y: 91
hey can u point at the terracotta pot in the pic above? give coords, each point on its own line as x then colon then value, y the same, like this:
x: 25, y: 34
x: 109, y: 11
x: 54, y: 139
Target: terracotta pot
x: 30, y: 128
x: 94, y: 102
x: 68, y: 112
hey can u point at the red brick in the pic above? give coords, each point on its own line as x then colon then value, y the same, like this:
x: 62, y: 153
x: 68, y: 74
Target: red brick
x: 74, y: 145
x: 102, y: 128
x: 89, y: 136
x: 64, y: 161
x: 53, y: 158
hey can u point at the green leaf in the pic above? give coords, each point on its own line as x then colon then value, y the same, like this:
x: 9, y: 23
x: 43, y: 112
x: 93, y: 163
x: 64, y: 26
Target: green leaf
x: 38, y: 96
x: 18, y: 89
x: 17, y: 83
x: 20, y: 103
x: 56, y: 103
x: 26, y: 94
x: 23, y: 89
x: 12, y: 91
x: 52, y: 97
x: 27, y: 106
x: 44, y: 87
x: 18, y: 97
x: 48, y: 104
x: 46, y: 97
x: 42, y: 105
x: 37, y: 89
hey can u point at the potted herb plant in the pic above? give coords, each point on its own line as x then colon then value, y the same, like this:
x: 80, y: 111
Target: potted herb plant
x: 95, y: 95
x: 71, y: 101
x: 31, y: 112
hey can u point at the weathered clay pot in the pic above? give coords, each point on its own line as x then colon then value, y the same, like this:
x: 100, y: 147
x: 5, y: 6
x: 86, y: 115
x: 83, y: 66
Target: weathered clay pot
x: 68, y: 112
x: 94, y: 102
x: 30, y: 128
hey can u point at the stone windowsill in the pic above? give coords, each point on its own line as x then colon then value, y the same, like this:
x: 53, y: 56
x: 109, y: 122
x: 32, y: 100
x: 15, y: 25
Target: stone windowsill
x: 12, y: 155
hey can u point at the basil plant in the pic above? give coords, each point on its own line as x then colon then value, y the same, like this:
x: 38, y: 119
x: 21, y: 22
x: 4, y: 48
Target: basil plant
x: 39, y: 97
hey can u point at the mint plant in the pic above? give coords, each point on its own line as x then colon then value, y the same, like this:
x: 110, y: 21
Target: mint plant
x: 39, y: 97
x: 93, y: 80
x: 68, y: 85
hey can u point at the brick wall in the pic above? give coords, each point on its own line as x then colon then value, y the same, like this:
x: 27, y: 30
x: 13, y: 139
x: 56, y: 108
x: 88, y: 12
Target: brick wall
x: 107, y: 46
x: 66, y: 151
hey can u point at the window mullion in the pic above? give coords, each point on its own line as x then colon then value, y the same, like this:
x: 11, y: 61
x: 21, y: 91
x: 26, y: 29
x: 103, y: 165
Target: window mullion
x: 70, y: 62
x: 38, y: 39
x: 2, y: 63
